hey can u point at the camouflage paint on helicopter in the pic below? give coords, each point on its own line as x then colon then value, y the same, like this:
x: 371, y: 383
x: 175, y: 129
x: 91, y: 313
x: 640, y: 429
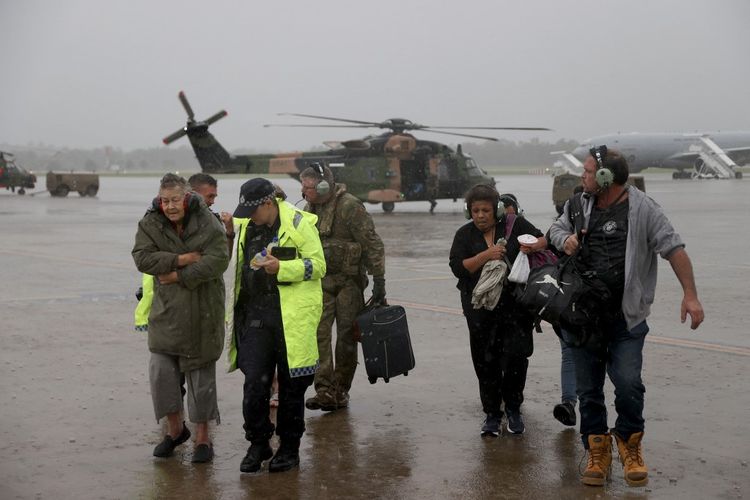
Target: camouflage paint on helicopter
x: 13, y: 176
x: 387, y: 168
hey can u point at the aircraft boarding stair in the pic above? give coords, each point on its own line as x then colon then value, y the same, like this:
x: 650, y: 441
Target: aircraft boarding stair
x: 716, y: 163
x: 568, y: 162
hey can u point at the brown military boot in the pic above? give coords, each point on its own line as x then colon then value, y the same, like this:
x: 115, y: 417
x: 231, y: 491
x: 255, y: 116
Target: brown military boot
x: 599, y: 461
x: 631, y: 456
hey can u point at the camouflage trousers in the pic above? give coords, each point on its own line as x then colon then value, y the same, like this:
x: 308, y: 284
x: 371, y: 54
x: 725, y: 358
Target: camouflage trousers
x: 342, y: 302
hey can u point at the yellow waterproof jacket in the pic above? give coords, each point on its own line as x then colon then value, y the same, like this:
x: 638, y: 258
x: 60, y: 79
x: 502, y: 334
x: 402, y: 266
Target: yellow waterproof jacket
x: 144, y: 305
x: 301, y: 300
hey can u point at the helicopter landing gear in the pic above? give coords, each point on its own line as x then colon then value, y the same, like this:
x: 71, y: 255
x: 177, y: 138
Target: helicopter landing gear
x: 22, y: 191
x: 433, y: 204
x: 388, y: 206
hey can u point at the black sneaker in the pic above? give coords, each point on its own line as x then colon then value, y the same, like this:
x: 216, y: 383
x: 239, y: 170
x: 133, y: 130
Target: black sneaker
x: 515, y: 422
x: 491, y: 426
x: 167, y: 446
x: 565, y: 412
x: 256, y: 454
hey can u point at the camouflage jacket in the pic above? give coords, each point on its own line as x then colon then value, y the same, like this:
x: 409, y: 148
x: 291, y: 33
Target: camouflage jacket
x: 347, y: 232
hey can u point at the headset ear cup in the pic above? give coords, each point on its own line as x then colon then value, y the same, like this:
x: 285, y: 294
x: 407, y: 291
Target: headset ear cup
x: 604, y: 177
x: 467, y: 213
x: 499, y: 210
x: 323, y: 188
x: 157, y: 204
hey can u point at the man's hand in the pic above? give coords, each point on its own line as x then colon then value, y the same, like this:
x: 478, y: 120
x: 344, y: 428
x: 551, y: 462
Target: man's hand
x: 378, y: 290
x: 571, y: 244
x: 186, y: 259
x: 270, y: 264
x: 226, y: 218
x: 169, y: 278
x: 693, y: 307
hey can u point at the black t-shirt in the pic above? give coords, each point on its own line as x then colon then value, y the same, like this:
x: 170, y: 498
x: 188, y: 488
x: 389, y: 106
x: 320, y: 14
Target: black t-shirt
x: 605, y: 246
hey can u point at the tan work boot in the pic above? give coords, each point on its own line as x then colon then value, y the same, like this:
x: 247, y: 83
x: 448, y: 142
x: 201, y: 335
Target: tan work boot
x: 599, y: 461
x: 631, y: 456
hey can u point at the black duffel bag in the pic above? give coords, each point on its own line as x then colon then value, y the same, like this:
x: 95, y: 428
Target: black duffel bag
x: 563, y: 296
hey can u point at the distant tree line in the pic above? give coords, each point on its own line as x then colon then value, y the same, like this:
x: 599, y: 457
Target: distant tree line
x: 506, y: 153
x: 41, y: 158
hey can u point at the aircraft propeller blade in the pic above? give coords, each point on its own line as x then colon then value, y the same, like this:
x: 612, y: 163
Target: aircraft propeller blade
x: 173, y: 137
x: 462, y: 135
x: 425, y: 127
x: 216, y: 117
x: 372, y: 124
x: 314, y: 126
x: 186, y: 105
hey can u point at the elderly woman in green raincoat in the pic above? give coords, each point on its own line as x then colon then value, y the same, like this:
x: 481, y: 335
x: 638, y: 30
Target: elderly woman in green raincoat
x: 273, y: 312
x: 183, y: 247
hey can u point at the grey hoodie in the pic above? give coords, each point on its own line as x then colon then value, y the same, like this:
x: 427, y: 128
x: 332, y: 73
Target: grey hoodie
x: 649, y: 233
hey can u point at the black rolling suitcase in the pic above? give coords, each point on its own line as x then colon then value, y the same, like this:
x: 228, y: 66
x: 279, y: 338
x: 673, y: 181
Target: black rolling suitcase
x: 385, y: 342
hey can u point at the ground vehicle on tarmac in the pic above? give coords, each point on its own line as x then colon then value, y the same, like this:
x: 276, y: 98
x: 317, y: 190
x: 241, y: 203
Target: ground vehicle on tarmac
x: 388, y: 168
x: 59, y: 184
x: 13, y: 176
x: 564, y: 185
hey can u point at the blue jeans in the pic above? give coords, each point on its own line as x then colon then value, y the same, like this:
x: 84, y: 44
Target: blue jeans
x: 619, y: 351
x: 567, y: 372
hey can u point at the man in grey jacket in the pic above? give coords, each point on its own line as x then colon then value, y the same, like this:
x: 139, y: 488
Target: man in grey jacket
x: 621, y: 231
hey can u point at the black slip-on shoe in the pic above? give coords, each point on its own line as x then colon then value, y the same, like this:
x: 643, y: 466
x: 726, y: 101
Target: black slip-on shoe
x: 565, y: 413
x: 167, y: 446
x: 203, y: 453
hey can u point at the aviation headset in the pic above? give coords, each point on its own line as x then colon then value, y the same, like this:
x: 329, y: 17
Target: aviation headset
x: 322, y: 187
x: 499, y: 206
x: 604, y: 176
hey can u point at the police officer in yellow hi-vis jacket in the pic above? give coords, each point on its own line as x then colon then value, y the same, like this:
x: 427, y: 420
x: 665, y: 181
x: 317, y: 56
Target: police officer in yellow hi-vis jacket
x: 272, y: 317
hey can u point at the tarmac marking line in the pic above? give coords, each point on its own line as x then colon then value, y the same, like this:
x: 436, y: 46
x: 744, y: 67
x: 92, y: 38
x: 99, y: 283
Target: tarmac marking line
x: 692, y: 344
x: 66, y: 259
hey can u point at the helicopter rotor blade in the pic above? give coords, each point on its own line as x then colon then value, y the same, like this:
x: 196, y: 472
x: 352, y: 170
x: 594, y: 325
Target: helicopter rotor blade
x: 173, y: 137
x: 216, y: 117
x: 186, y: 105
x: 426, y: 127
x: 462, y: 135
x: 314, y: 126
x: 372, y: 124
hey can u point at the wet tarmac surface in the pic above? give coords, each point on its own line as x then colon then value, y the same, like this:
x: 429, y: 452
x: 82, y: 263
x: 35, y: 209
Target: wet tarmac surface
x: 77, y: 420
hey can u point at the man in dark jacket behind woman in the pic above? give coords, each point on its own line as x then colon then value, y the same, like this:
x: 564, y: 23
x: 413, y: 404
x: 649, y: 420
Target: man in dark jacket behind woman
x: 182, y: 244
x: 501, y: 339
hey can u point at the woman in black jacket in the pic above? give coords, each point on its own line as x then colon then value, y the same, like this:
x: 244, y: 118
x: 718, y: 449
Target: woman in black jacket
x: 501, y: 338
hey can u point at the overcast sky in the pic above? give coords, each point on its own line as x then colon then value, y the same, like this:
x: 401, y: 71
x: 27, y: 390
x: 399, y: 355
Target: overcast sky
x: 89, y: 73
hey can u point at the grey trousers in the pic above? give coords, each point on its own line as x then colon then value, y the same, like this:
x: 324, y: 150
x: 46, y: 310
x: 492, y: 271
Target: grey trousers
x: 166, y: 382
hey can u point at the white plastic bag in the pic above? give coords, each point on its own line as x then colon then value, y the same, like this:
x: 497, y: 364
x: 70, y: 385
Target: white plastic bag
x: 520, y: 271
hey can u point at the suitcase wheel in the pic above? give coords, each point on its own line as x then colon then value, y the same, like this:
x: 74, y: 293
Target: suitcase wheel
x: 406, y: 374
x: 372, y: 379
x: 386, y: 379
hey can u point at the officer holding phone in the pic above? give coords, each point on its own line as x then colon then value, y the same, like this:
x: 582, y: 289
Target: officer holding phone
x: 272, y: 316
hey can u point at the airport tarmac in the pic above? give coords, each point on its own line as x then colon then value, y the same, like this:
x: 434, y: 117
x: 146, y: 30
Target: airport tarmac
x: 77, y: 420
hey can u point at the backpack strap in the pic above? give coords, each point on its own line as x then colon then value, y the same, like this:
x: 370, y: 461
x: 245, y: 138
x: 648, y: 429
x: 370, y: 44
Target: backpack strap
x: 510, y: 221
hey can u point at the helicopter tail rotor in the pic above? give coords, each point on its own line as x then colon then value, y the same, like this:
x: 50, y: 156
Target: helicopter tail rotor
x: 186, y: 105
x: 173, y: 137
x: 192, y: 124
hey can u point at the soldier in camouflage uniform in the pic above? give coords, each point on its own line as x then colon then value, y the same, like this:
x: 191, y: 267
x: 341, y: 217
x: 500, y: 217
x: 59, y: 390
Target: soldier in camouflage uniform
x: 352, y: 248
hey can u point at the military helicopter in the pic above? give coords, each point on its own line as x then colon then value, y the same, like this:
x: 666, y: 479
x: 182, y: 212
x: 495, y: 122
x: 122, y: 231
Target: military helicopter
x: 388, y: 168
x: 12, y: 176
